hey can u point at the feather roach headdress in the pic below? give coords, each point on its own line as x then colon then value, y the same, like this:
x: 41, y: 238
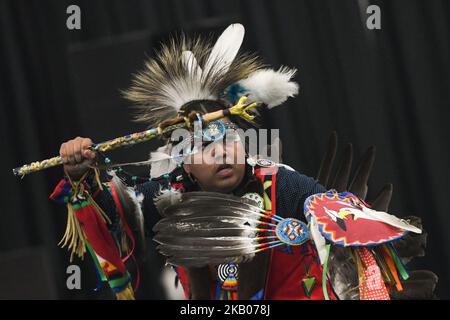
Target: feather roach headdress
x: 188, y: 70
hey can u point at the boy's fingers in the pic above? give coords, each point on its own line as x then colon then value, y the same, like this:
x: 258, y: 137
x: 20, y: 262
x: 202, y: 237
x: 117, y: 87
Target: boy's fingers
x: 71, y: 153
x: 86, y: 143
x: 63, y: 153
x: 88, y: 154
x: 78, y: 150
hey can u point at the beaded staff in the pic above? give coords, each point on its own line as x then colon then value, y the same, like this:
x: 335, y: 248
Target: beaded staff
x: 240, y: 109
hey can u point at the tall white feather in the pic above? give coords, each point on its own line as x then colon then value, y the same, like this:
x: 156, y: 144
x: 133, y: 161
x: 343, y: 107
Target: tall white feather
x: 269, y: 86
x: 162, y: 162
x: 225, y: 49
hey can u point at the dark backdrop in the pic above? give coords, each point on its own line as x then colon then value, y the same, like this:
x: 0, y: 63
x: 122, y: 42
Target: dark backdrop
x: 387, y: 87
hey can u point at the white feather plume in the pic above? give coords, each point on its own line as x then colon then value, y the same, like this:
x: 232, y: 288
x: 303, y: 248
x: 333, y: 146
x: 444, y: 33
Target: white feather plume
x: 161, y: 161
x: 269, y: 86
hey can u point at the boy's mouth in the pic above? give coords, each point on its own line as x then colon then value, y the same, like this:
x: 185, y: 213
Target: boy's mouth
x: 224, y: 170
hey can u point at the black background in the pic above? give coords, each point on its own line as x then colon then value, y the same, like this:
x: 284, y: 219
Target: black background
x: 387, y: 87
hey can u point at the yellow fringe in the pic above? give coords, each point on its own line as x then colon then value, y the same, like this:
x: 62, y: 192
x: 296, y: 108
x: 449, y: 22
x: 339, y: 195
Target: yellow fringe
x: 126, y: 294
x: 74, y: 235
x: 97, y: 177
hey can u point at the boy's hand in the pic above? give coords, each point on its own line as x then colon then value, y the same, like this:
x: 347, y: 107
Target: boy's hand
x: 77, y: 157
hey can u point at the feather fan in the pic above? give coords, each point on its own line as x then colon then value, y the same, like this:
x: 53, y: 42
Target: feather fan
x: 209, y: 228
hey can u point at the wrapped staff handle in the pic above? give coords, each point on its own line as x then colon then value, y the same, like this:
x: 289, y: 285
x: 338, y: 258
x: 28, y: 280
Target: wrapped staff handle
x: 240, y: 109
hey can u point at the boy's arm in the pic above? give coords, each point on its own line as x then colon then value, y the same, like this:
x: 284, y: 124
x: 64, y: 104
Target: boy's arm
x: 292, y: 190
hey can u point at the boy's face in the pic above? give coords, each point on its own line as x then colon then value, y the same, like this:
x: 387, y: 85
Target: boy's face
x: 220, y: 166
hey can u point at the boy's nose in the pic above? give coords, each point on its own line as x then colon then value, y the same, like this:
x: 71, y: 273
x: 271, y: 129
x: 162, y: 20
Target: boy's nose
x: 218, y: 150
